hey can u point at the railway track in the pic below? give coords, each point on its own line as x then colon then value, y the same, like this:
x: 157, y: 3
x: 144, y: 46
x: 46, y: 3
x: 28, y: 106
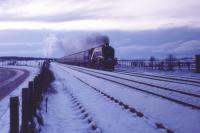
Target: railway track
x: 126, y: 107
x: 84, y: 114
x: 180, y: 97
x: 194, y: 94
x: 172, y: 79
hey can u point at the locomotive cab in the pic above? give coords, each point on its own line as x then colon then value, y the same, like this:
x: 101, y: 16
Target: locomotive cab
x: 109, y: 56
x: 103, y: 57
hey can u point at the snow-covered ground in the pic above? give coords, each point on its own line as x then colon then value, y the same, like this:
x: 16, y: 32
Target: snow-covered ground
x: 4, y: 103
x: 21, y: 63
x: 179, y: 73
x: 108, y: 117
x: 64, y: 116
x: 155, y: 86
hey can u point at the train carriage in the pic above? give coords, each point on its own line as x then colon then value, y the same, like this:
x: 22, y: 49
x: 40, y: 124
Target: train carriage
x: 102, y: 56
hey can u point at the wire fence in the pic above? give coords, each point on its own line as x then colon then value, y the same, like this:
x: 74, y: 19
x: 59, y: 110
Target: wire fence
x: 178, y: 64
x: 21, y: 62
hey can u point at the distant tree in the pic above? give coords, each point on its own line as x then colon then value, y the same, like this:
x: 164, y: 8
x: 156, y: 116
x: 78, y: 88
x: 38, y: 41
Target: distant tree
x: 188, y: 63
x: 179, y: 64
x: 161, y: 65
x: 152, y: 60
x: 170, y: 61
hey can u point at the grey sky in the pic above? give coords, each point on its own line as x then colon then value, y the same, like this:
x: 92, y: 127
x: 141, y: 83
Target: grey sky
x: 140, y: 25
x: 105, y: 14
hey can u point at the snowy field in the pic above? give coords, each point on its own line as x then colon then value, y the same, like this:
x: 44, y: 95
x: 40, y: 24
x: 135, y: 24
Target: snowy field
x: 4, y: 103
x: 82, y: 103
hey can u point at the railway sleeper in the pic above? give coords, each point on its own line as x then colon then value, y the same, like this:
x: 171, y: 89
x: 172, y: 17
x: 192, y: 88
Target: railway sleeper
x: 130, y: 109
x: 85, y: 115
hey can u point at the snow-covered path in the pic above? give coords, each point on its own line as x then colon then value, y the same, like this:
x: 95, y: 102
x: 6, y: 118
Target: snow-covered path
x: 61, y: 116
x: 173, y: 116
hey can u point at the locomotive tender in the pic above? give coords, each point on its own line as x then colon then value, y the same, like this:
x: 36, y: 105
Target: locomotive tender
x: 102, y: 56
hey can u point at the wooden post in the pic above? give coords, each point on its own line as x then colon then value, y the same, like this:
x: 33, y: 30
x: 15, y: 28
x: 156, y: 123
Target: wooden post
x: 46, y: 103
x: 197, y: 62
x: 36, y: 95
x: 31, y: 106
x: 25, y: 110
x: 40, y: 86
x: 38, y: 89
x: 31, y: 99
x: 14, y: 115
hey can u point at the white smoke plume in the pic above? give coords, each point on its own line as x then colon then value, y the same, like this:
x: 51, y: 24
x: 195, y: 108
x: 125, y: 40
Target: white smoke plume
x: 53, y: 46
x: 69, y: 44
x: 50, y: 42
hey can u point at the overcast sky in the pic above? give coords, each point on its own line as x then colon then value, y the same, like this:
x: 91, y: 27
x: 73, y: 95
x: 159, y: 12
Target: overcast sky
x: 46, y: 27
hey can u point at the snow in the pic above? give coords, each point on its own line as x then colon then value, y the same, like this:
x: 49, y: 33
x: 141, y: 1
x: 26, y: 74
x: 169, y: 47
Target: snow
x: 111, y: 118
x: 75, y: 107
x: 61, y: 117
x: 180, y: 73
x: 4, y: 103
x: 174, y: 86
x: 177, y: 86
x: 32, y: 63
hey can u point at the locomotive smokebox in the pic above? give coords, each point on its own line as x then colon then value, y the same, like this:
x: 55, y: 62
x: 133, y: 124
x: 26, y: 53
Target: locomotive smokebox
x: 197, y: 62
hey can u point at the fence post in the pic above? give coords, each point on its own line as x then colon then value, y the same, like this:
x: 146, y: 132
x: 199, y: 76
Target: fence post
x: 14, y: 114
x: 36, y: 95
x: 31, y: 98
x: 197, y: 62
x: 31, y: 105
x: 25, y: 110
x: 46, y: 103
x: 40, y: 79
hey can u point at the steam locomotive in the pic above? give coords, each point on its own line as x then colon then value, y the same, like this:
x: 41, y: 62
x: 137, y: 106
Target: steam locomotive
x: 102, y: 56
